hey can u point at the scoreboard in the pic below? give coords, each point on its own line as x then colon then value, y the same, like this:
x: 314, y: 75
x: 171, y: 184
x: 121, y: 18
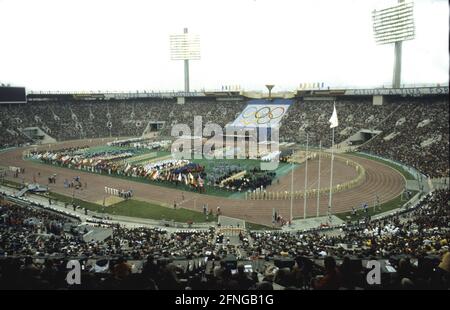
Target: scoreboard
x: 12, y: 94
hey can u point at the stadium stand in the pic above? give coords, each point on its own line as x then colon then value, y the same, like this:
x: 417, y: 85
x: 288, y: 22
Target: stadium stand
x: 35, y: 245
x: 92, y: 119
x: 426, y: 117
x: 421, y: 136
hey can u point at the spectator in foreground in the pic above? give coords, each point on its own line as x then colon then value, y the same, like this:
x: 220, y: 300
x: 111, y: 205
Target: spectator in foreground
x: 332, y: 279
x: 440, y: 279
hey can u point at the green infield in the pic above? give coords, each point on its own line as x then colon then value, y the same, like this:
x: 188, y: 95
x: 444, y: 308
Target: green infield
x: 136, y: 208
x: 244, y: 164
x: 142, y: 152
x: 105, y: 148
x: 148, y: 157
x: 141, y: 209
x: 395, y: 203
x: 11, y: 184
x: 253, y: 226
x: 69, y: 200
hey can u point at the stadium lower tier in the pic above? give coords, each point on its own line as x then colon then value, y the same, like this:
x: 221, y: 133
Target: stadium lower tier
x: 411, y: 248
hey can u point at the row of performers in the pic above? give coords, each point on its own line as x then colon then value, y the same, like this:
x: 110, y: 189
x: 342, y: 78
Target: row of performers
x: 172, y: 170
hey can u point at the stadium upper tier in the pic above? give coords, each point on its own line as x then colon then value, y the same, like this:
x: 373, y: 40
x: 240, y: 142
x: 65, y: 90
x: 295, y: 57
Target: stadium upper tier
x: 413, y: 130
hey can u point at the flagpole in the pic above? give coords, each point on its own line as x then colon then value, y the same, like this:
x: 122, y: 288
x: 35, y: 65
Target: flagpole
x: 318, y: 180
x: 331, y: 176
x: 306, y: 178
x: 292, y: 185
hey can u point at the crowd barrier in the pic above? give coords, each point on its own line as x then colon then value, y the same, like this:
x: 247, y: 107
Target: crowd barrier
x: 230, y: 231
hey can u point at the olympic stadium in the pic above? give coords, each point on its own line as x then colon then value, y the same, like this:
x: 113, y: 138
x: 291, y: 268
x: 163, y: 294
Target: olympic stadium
x: 228, y: 188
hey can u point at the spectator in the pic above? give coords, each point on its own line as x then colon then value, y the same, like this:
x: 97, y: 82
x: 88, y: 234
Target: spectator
x: 332, y: 278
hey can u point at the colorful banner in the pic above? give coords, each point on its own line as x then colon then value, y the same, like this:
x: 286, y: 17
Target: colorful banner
x: 262, y: 113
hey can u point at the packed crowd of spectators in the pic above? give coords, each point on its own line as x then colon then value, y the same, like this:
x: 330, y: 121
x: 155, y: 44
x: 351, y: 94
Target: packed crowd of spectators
x: 416, y: 134
x: 11, y: 135
x: 414, y: 130
x: 421, y: 231
x: 311, y: 117
x: 93, y: 119
x: 35, y: 245
x: 30, y: 230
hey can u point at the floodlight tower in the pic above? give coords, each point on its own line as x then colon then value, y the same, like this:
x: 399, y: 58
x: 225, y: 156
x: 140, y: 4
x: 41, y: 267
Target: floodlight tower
x: 185, y: 47
x: 394, y: 25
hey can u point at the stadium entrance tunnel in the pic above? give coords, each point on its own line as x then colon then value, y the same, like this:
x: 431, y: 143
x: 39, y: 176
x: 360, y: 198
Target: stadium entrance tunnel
x: 38, y: 135
x: 363, y: 136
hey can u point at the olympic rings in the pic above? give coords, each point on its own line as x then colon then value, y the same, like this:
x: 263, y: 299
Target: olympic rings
x: 245, y: 115
x: 263, y: 115
x: 263, y: 121
x: 246, y: 123
x: 274, y: 116
x: 258, y: 113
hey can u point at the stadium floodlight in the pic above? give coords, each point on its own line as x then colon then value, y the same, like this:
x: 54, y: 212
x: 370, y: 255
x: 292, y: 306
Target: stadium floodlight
x: 185, y: 47
x: 394, y: 25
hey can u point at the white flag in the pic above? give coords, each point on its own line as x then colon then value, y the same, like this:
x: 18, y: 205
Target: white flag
x: 334, y: 119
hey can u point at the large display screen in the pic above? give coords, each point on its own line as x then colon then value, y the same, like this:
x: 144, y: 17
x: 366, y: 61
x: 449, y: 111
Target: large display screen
x: 12, y: 94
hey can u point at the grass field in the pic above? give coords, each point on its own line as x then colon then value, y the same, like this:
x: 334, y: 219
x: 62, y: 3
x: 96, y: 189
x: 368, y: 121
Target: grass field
x: 107, y: 148
x: 245, y: 164
x: 12, y: 184
x: 137, y: 208
x: 395, y: 203
x: 253, y: 226
x: 142, y: 209
x: 147, y: 157
x: 83, y: 204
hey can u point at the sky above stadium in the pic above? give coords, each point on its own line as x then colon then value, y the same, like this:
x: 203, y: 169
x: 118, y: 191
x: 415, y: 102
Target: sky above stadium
x: 124, y: 44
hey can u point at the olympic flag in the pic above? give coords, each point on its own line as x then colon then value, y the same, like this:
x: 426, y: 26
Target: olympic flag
x: 334, y: 119
x: 262, y: 113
